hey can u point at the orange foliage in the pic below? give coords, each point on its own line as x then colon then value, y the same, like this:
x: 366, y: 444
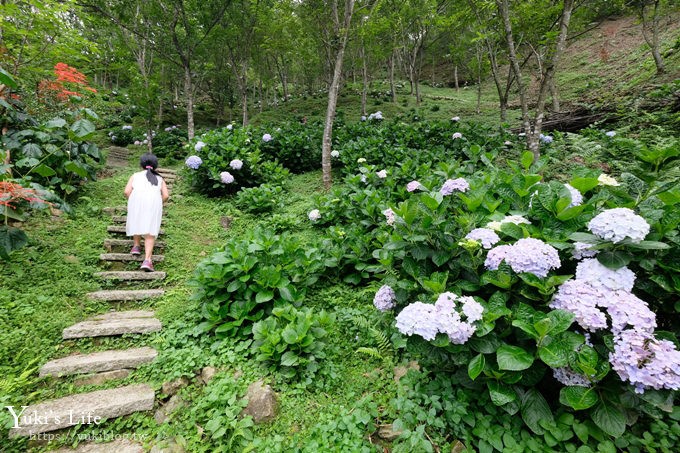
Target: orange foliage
x: 12, y: 192
x: 65, y: 74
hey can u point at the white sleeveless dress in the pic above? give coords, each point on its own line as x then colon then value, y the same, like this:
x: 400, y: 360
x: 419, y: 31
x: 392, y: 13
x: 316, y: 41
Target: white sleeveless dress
x: 145, y: 206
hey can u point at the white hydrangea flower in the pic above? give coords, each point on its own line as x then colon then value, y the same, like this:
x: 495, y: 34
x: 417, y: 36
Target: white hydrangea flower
x: 617, y: 224
x: 606, y: 180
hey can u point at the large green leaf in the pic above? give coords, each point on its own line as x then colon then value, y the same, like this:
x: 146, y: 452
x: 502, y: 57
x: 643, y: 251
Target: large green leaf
x: 31, y: 150
x: 513, y: 358
x: 554, y: 353
x: 476, y: 366
x: 44, y: 171
x: 614, y: 259
x: 500, y: 393
x: 578, y: 398
x: 55, y: 123
x: 7, y: 79
x: 609, y: 419
x: 82, y: 128
x: 76, y: 168
x: 535, y: 410
x: 264, y: 295
x: 11, y: 239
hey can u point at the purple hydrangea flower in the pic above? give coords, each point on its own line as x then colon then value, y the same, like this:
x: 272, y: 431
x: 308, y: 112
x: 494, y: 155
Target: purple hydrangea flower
x: 412, y: 186
x: 471, y: 309
x: 600, y: 276
x: 385, y: 298
x: 193, y: 162
x: 451, y: 185
x: 266, y: 138
x: 526, y: 255
x: 547, y: 139
x: 389, y: 214
x: 566, y: 376
x: 582, y: 299
x: 375, y: 116
x: 645, y: 361
x: 363, y: 118
x: 417, y: 318
x: 576, y: 197
x: 456, y: 135
x: 617, y: 224
x: 495, y: 256
x: 127, y: 127
x: 485, y: 236
x: 610, y: 134
x: 583, y: 250
x: 199, y: 146
x: 314, y: 215
x: 236, y: 164
x: 226, y: 177
x: 625, y: 310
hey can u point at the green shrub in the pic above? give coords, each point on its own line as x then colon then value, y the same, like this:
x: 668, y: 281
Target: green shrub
x: 122, y: 136
x: 170, y: 143
x: 290, y: 341
x: 257, y: 200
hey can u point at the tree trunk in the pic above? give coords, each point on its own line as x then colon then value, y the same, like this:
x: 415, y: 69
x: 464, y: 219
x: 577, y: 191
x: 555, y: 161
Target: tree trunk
x: 244, y: 106
x: 650, y: 31
x: 555, y: 95
x: 333, y: 93
x: 189, y: 93
x: 455, y: 78
x: 364, y: 78
x: 259, y: 89
x: 393, y: 91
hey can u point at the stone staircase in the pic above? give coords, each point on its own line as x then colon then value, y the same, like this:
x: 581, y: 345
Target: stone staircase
x: 99, y: 367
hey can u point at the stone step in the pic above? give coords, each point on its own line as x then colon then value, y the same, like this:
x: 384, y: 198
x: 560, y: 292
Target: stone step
x: 121, y: 294
x: 109, y: 327
x: 117, y: 446
x: 98, y: 362
x: 83, y: 408
x: 121, y: 229
x: 127, y: 314
x: 169, y: 171
x: 128, y: 257
x: 123, y: 219
x: 119, y: 210
x: 130, y: 275
x: 128, y: 243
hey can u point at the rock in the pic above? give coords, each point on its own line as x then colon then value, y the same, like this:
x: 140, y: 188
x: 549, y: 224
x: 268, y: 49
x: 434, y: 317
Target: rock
x: 172, y: 387
x: 87, y: 408
x: 130, y: 275
x: 104, y: 361
x: 207, y: 373
x: 56, y: 212
x: 262, y: 403
x: 225, y: 221
x: 400, y: 371
x: 117, y: 446
x: 161, y: 415
x: 458, y: 447
x: 71, y: 259
x: 387, y: 433
x: 106, y: 327
x: 100, y: 378
x: 120, y: 294
x: 167, y: 446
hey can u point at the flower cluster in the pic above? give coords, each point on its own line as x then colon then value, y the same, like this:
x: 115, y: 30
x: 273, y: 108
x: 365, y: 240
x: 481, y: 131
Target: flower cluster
x: 451, y: 185
x: 412, y: 186
x: 127, y: 127
x: 389, y: 214
x: 445, y: 316
x: 314, y: 215
x: 583, y: 250
x: 267, y: 138
x: 576, y: 197
x: 516, y: 219
x: 610, y: 134
x: 236, y: 164
x: 617, y: 224
x: 455, y: 119
x: 226, y: 177
x: 599, y: 295
x: 384, y: 299
x: 382, y: 174
x: 547, y: 139
x: 199, y: 146
x: 526, y: 255
x: 606, y: 180
x: 193, y: 162
x: 230, y: 127
x: 566, y: 376
x: 456, y: 135
x: 375, y: 116
x: 488, y: 238
x: 170, y: 128
x: 335, y: 153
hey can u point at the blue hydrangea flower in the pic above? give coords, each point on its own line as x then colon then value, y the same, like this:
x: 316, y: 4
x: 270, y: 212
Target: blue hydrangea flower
x: 199, y: 146
x: 267, y: 138
x: 566, y: 376
x: 526, y: 255
x: 193, y: 162
x: 576, y: 197
x: 485, y: 236
x: 236, y: 164
x: 226, y: 177
x: 600, y: 276
x: 385, y: 298
x: 451, y: 185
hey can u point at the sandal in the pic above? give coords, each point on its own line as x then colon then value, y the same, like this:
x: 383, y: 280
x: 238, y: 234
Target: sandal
x: 136, y: 250
x: 147, y: 265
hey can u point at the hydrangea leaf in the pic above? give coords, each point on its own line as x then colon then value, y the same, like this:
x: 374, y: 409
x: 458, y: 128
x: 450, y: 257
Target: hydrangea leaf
x: 536, y: 410
x: 500, y: 393
x: 476, y: 366
x: 513, y: 358
x: 609, y: 419
x: 614, y: 259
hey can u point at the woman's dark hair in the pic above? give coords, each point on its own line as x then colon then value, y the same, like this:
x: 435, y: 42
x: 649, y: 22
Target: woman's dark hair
x: 149, y: 162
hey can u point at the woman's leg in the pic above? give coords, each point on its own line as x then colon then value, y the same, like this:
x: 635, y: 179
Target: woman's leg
x: 149, y: 242
x: 136, y: 240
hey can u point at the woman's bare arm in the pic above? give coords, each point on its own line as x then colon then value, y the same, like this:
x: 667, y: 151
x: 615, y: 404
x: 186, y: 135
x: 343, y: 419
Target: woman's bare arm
x: 164, y: 191
x: 128, y: 188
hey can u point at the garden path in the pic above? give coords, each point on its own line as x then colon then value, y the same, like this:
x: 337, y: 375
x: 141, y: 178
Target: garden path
x: 99, y: 367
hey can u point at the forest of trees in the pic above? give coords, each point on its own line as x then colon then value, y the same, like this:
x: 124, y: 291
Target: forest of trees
x: 241, y: 56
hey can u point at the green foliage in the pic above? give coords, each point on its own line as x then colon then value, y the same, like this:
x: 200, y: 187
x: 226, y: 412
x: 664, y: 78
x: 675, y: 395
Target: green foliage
x: 169, y: 143
x: 257, y: 200
x: 243, y: 282
x: 122, y: 136
x: 290, y: 341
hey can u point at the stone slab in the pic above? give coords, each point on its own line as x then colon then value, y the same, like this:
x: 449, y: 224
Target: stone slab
x: 127, y: 314
x: 100, y: 378
x: 84, y: 407
x: 130, y: 275
x: 123, y: 219
x: 128, y: 257
x: 128, y: 243
x: 121, y: 294
x: 109, y: 327
x: 121, y: 229
x: 99, y: 361
x: 117, y: 446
